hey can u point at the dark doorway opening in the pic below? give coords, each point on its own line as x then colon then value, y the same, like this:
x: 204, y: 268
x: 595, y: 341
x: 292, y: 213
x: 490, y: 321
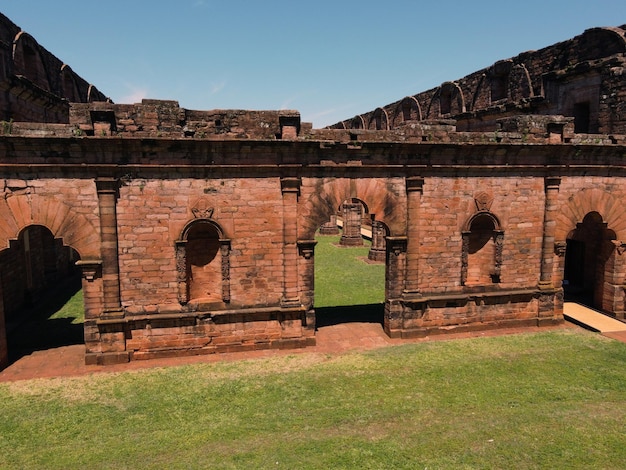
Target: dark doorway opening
x: 42, y: 302
x: 590, y: 264
x: 36, y: 327
x: 574, y: 279
x: 328, y: 316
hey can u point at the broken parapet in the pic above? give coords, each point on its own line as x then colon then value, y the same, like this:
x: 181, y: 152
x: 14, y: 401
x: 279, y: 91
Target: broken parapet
x: 161, y: 118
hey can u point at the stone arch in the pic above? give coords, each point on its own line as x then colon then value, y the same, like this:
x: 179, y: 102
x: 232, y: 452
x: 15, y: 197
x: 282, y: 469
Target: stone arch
x: 357, y: 122
x: 69, y: 87
x: 408, y: 109
x: 20, y: 211
x: 27, y: 60
x: 329, y: 193
x: 481, y: 259
x: 379, y: 120
x: 448, y: 100
x: 520, y: 84
x: 602, y: 251
x: 600, y: 42
x: 589, y: 200
x: 203, y: 263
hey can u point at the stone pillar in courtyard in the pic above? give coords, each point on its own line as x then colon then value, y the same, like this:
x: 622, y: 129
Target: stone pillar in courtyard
x: 108, y: 191
x: 377, y: 251
x: 414, y: 190
x: 351, y: 235
x: 550, y: 304
x: 330, y: 227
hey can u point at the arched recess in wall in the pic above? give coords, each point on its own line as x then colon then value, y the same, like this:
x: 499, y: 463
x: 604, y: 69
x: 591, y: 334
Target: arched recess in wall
x: 449, y: 99
x: 590, y: 238
x: 408, y: 109
x: 203, y: 263
x: 68, y: 84
x: 27, y: 60
x: 379, y: 120
x: 357, y: 122
x: 520, y: 85
x: 481, y: 259
x: 600, y: 42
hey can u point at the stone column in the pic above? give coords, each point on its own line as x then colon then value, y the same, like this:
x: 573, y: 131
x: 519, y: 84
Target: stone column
x: 414, y: 190
x: 91, y: 271
x: 549, y: 230
x: 290, y: 188
x: 108, y: 191
x: 351, y: 224
x: 394, y: 285
x: 330, y: 227
x: 306, y: 250
x: 377, y: 251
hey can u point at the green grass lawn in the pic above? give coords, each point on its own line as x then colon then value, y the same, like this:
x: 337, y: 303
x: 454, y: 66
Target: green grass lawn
x: 543, y: 400
x: 343, y: 277
x: 555, y: 399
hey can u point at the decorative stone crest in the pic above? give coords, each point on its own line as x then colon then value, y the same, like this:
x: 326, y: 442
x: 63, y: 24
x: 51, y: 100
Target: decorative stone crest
x: 483, y: 201
x: 559, y: 249
x: 202, y: 210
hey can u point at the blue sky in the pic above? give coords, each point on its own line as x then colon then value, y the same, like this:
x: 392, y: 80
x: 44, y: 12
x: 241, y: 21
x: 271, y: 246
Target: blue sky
x: 328, y: 59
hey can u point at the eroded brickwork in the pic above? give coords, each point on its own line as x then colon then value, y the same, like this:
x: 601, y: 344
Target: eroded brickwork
x: 490, y: 199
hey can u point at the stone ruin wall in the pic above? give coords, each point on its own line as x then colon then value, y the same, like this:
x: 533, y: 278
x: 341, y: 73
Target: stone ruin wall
x: 35, y: 85
x: 132, y: 188
x: 586, y: 69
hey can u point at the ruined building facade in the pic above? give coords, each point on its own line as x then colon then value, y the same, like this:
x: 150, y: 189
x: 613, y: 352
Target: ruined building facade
x: 194, y: 231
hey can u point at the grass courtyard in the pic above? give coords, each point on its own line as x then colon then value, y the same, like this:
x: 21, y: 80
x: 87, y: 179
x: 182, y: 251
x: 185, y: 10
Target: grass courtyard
x: 543, y: 400
x: 555, y: 399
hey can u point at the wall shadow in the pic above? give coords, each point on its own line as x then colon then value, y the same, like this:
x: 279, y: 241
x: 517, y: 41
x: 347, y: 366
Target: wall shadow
x: 32, y: 329
x: 328, y: 316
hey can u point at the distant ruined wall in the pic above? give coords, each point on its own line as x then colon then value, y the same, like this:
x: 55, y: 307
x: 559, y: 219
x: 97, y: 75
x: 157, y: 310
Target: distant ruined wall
x: 583, y: 77
x: 35, y: 85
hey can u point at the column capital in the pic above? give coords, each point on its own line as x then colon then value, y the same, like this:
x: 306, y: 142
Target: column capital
x: 107, y: 185
x: 290, y: 184
x: 414, y: 183
x: 91, y: 269
x: 306, y: 248
x: 552, y: 182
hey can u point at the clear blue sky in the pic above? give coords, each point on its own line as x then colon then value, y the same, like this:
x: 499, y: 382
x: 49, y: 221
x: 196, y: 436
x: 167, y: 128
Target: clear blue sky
x: 329, y: 59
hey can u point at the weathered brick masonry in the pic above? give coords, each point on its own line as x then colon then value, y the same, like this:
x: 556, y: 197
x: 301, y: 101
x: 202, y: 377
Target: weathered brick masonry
x: 196, y: 229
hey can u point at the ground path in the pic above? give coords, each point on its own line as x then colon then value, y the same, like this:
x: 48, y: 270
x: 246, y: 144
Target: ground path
x: 68, y: 361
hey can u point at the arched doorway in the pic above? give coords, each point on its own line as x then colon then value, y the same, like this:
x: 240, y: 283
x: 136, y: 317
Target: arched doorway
x: 349, y: 281
x: 590, y: 263
x: 41, y: 297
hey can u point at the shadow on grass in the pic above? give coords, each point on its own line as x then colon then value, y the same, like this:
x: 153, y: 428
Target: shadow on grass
x: 32, y: 329
x: 328, y: 316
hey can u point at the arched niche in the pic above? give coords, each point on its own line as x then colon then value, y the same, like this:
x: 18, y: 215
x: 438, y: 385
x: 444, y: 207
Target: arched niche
x: 203, y: 263
x: 450, y: 99
x: 379, y: 120
x: 481, y: 259
x: 27, y: 60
